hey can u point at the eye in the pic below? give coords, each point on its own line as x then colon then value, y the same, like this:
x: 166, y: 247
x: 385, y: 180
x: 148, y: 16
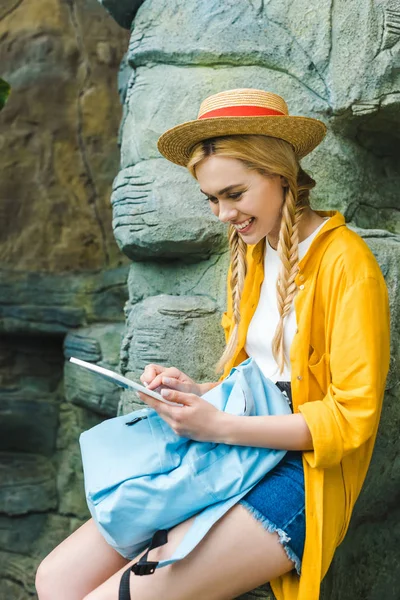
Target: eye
x: 212, y: 199
x: 235, y: 196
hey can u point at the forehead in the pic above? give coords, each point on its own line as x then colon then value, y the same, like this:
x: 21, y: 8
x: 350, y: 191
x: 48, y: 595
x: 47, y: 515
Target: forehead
x: 216, y: 172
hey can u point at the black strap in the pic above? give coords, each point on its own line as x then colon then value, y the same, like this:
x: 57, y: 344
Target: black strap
x: 285, y: 386
x: 124, y: 592
x: 143, y: 566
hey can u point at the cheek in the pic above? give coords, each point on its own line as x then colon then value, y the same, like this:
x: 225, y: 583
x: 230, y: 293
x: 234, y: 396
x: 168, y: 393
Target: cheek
x: 214, y: 209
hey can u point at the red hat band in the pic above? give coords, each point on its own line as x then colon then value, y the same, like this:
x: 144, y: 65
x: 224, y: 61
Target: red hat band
x: 241, y: 111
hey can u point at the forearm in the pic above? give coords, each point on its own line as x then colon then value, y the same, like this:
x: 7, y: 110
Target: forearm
x: 281, y: 432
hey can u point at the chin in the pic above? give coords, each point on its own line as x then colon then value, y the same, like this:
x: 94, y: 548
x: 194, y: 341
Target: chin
x: 252, y: 239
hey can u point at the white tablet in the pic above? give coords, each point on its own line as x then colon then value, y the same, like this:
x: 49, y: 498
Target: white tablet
x: 121, y: 380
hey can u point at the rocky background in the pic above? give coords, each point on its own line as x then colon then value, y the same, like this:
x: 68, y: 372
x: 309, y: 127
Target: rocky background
x: 157, y: 294
x: 63, y: 279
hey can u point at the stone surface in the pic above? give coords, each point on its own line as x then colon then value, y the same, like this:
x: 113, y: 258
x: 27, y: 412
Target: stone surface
x: 176, y: 331
x: 334, y: 61
x: 176, y: 278
x: 263, y: 592
x: 69, y: 480
x: 349, y: 177
x: 28, y: 423
x: 27, y: 483
x: 60, y: 266
x: 10, y: 589
x: 58, y: 135
x: 291, y: 52
x: 100, y: 345
x: 18, y: 571
x: 39, y: 302
x: 159, y: 212
x: 25, y: 365
x: 36, y: 533
x: 386, y: 249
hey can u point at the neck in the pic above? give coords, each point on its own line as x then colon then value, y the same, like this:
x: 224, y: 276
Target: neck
x: 308, y: 223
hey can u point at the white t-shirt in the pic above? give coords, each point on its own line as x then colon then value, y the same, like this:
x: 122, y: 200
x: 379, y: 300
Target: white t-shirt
x: 266, y: 317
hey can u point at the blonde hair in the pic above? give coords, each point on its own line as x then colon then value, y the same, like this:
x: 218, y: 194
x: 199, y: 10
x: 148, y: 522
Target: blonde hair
x: 269, y: 156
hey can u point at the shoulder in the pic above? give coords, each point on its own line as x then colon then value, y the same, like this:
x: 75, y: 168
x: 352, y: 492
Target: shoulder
x: 348, y: 258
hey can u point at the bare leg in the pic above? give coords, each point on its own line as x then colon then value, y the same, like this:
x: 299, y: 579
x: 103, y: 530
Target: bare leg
x: 237, y: 555
x: 78, y: 565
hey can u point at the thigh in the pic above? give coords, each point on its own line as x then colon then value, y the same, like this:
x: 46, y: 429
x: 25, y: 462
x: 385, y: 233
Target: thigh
x: 278, y: 500
x: 236, y: 555
x: 78, y: 565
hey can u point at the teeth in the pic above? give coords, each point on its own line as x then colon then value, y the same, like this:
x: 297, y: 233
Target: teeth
x: 244, y: 225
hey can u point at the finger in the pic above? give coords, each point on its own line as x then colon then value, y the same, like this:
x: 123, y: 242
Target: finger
x: 173, y: 372
x: 176, y: 396
x: 156, y: 382
x: 150, y: 372
x: 176, y: 384
x: 149, y: 400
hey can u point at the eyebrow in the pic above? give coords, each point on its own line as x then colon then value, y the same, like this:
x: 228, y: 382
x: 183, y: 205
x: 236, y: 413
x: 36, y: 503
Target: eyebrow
x: 225, y: 189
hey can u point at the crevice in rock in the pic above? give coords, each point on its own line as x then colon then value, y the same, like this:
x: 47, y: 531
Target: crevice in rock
x: 10, y: 10
x: 296, y: 41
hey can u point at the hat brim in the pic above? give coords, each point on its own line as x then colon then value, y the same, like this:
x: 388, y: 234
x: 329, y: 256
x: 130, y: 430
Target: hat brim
x: 303, y: 133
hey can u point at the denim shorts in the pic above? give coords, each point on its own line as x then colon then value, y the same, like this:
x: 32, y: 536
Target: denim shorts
x: 278, y: 501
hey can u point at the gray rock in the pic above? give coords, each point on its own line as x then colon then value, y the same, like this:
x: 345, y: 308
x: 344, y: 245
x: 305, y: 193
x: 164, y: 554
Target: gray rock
x: 264, y: 592
x: 55, y: 303
x: 10, y: 589
x: 386, y: 249
x: 275, y: 41
x: 28, y: 422
x: 349, y: 177
x: 159, y: 212
x: 19, y: 570
x: 27, y: 484
x: 70, y: 482
x: 205, y: 278
x: 176, y: 331
x: 151, y: 113
x: 35, y: 534
x: 19, y: 534
x: 99, y: 344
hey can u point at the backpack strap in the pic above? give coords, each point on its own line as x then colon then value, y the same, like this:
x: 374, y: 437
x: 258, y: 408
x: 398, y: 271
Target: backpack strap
x: 143, y: 566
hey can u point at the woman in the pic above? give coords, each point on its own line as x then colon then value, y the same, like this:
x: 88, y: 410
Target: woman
x: 307, y: 300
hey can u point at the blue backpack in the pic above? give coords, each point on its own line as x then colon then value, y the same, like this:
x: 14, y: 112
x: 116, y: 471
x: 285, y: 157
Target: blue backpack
x: 142, y: 479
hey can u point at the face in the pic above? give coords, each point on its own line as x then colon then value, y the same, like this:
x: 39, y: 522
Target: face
x: 249, y: 201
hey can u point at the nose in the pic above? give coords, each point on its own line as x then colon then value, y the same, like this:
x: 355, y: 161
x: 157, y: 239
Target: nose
x: 227, y: 213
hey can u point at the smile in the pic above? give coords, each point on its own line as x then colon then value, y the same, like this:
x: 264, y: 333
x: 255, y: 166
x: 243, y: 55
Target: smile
x: 242, y: 227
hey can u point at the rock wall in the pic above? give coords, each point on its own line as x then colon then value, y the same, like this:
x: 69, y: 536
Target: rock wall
x: 68, y: 264
x: 59, y: 135
x: 63, y: 279
x: 337, y: 61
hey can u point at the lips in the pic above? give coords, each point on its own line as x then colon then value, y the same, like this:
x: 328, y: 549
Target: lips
x: 244, y: 226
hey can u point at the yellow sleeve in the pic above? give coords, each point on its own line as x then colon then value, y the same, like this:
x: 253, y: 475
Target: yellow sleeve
x: 359, y: 364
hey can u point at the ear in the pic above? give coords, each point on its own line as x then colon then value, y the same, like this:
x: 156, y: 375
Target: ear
x: 284, y: 181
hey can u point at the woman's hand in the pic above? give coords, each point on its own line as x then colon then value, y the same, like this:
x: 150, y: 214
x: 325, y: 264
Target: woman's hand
x: 197, y: 419
x: 153, y: 375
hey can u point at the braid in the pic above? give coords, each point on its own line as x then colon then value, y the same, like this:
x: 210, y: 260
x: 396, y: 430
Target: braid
x: 288, y: 253
x: 238, y: 261
x: 269, y: 156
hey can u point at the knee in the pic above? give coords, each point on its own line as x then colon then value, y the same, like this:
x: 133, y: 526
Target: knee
x: 45, y: 580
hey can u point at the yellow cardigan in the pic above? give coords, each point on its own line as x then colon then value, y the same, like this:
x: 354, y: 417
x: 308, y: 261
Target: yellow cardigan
x: 339, y: 363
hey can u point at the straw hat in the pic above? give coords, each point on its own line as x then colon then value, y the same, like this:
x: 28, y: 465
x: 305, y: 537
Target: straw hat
x: 241, y: 111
